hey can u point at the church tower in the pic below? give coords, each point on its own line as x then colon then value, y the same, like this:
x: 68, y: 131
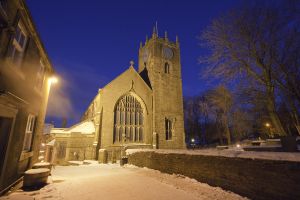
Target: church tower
x: 159, y: 65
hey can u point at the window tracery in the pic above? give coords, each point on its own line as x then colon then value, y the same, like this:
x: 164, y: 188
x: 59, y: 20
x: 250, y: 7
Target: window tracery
x: 128, y: 120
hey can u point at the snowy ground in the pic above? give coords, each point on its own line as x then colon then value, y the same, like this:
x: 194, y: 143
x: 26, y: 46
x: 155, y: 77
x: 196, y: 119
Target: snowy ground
x: 99, y: 181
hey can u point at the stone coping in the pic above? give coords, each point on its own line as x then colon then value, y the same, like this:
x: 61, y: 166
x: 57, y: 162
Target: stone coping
x: 232, y: 153
x: 37, y: 171
x: 39, y: 164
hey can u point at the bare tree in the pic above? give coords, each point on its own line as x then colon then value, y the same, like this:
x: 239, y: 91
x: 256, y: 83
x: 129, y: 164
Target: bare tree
x: 240, y: 124
x: 192, y: 117
x: 220, y: 102
x: 260, y: 41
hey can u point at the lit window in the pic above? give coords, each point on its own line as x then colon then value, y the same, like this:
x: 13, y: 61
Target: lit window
x: 168, y: 127
x: 18, y: 45
x: 28, y: 133
x: 40, y: 76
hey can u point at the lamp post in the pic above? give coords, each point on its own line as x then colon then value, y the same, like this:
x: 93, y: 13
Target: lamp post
x: 41, y: 119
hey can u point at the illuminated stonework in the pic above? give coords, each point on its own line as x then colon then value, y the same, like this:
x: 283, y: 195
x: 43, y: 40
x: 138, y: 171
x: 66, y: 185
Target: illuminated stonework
x: 140, y: 109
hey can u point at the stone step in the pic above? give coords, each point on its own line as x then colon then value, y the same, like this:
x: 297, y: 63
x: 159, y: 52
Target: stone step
x: 36, y: 177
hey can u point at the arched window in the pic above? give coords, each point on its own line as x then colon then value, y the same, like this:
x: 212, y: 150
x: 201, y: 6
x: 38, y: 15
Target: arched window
x: 168, y: 128
x: 167, y: 68
x: 128, y: 120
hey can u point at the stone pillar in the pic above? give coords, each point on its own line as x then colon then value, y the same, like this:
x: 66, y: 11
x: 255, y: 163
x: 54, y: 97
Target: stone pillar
x: 155, y: 140
x: 102, y: 158
x: 113, y: 156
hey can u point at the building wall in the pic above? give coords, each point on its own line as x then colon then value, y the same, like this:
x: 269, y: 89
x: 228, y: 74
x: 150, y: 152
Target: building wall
x: 167, y: 88
x: 110, y: 95
x: 21, y: 91
x: 101, y: 110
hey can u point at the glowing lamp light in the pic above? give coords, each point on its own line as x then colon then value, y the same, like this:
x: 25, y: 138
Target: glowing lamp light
x: 53, y: 79
x: 43, y: 144
x: 192, y: 140
x: 268, y: 125
x: 238, y: 145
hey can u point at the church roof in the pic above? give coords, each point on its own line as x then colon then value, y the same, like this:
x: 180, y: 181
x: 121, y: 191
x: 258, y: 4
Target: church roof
x: 85, y: 127
x: 130, y: 69
x: 51, y: 143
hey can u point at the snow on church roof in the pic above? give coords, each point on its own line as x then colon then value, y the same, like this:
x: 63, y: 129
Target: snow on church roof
x: 85, y: 127
x: 51, y: 143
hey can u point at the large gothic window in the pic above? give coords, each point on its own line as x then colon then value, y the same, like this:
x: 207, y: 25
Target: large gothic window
x: 128, y: 120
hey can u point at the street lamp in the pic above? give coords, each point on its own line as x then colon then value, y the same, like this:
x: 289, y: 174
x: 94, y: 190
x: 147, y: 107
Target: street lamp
x: 193, y: 143
x: 53, y: 79
x: 268, y: 125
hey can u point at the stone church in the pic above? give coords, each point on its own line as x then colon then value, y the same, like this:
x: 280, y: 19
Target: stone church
x: 138, y: 109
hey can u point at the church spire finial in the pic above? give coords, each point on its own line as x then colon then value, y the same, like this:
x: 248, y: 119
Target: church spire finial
x: 154, y: 35
x: 156, y: 28
x: 155, y: 31
x: 166, y: 35
x: 177, y: 40
x: 131, y: 63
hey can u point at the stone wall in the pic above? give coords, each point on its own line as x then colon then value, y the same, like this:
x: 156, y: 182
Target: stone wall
x: 73, y: 146
x: 253, y: 178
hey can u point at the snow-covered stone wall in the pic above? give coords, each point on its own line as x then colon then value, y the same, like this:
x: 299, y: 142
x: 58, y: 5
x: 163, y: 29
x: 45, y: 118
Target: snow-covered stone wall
x: 256, y: 178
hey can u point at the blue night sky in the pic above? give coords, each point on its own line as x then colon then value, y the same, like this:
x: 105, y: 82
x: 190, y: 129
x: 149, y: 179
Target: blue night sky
x: 91, y: 42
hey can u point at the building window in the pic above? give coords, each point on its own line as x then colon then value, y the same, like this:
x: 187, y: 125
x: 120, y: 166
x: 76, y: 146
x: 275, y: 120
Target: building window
x: 17, y: 48
x: 5, y: 128
x: 128, y: 120
x: 40, y: 76
x: 3, y: 5
x: 167, y: 68
x: 168, y: 128
x: 29, y: 133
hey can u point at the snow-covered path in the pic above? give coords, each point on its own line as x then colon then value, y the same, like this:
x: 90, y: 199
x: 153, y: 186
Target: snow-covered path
x: 114, y: 182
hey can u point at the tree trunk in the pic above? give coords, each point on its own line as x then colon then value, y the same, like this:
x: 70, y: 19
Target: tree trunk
x: 294, y: 114
x: 227, y: 134
x: 227, y: 131
x: 272, y: 112
x: 219, y: 127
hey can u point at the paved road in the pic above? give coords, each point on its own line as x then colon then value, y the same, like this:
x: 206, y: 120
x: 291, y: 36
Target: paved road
x: 112, y: 182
